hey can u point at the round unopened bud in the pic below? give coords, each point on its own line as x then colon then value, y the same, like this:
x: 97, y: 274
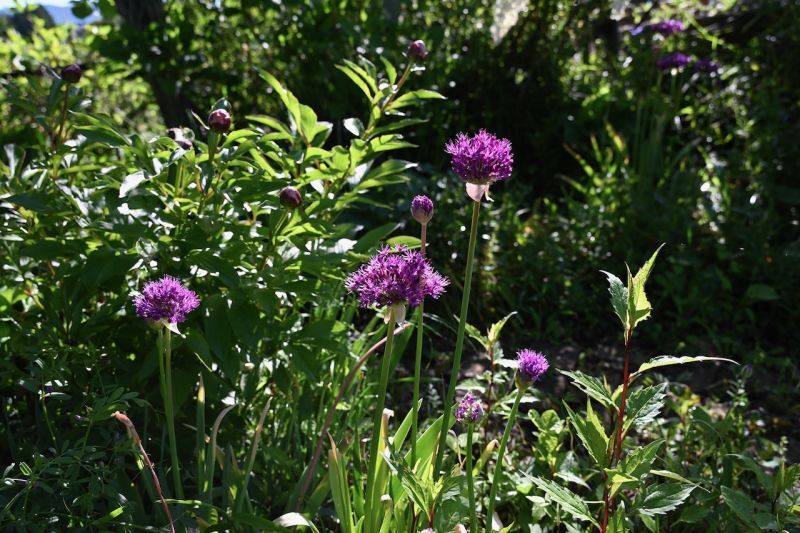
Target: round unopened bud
x: 291, y: 198
x: 418, y: 51
x: 72, y: 73
x: 422, y: 209
x: 219, y: 121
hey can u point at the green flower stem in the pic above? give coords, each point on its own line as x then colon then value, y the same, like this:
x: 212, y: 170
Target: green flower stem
x: 498, y: 467
x: 417, y: 364
x: 169, y: 408
x: 473, y: 521
x: 376, y: 429
x: 462, y: 323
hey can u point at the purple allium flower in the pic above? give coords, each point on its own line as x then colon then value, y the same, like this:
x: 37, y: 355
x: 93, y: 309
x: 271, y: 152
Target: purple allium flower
x: 666, y: 27
x: 532, y: 365
x: 676, y: 60
x: 705, y: 65
x: 481, y: 159
x: 166, y: 300
x: 418, y: 51
x: 72, y: 73
x: 469, y: 409
x: 422, y: 209
x: 290, y: 198
x: 219, y: 120
x: 396, y: 276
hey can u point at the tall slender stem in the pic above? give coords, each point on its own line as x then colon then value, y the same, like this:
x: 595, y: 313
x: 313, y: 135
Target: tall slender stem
x: 462, y: 323
x: 417, y: 363
x: 498, y: 467
x: 617, y: 452
x: 376, y: 427
x: 473, y: 521
x: 169, y: 407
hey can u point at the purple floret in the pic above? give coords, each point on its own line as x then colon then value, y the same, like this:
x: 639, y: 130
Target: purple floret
x: 532, y: 364
x: 482, y: 158
x: 666, y: 27
x: 469, y: 409
x: 396, y: 276
x: 675, y: 60
x: 166, y: 300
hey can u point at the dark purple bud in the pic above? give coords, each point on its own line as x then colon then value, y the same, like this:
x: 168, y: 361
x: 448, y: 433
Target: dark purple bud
x: 422, y: 209
x: 72, y: 73
x: 418, y: 51
x: 219, y: 121
x: 291, y: 198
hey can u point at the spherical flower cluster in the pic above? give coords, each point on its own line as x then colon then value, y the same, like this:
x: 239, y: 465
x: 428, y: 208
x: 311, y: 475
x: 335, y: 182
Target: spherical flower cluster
x: 666, y: 27
x: 72, y: 73
x: 532, y: 365
x: 469, y: 409
x: 422, y: 209
x: 396, y: 276
x: 705, y: 65
x: 418, y: 51
x: 482, y: 158
x: 166, y: 301
x: 675, y: 60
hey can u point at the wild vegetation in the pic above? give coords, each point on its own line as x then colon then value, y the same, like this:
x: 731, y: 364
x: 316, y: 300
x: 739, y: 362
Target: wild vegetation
x: 357, y: 267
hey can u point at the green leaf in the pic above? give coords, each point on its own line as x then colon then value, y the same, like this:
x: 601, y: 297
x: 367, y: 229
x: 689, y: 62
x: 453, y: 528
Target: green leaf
x: 619, y: 297
x: 590, y: 431
x: 415, y: 98
x: 617, y: 522
x: 591, y: 386
x: 668, y: 360
x: 639, y: 307
x: 497, y: 328
x: 638, y: 462
x: 741, y: 504
x: 566, y: 499
x: 758, y: 292
x: 662, y: 498
x: 644, y: 404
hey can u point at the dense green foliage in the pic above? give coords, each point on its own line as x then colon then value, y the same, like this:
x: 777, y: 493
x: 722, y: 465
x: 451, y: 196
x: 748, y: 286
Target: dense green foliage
x: 612, y: 158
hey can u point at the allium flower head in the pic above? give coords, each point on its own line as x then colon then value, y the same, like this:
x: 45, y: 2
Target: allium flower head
x: 166, y: 301
x: 422, y: 209
x: 675, y: 60
x: 705, y: 65
x: 666, y: 27
x: 396, y: 276
x: 418, y: 51
x: 532, y: 365
x: 482, y: 158
x: 469, y: 409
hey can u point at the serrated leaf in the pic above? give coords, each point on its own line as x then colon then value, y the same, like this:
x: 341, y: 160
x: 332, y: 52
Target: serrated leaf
x: 677, y: 477
x: 619, y: 297
x: 662, y: 498
x: 497, y: 328
x: 741, y: 504
x: 591, y: 386
x: 639, y: 307
x: 638, y: 462
x: 644, y: 404
x: 591, y: 433
x: 668, y: 360
x: 617, y: 522
x: 566, y: 499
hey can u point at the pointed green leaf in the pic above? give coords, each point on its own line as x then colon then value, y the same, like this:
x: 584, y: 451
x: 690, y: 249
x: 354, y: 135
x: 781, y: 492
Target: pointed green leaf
x: 619, y: 297
x: 591, y: 386
x: 497, y: 327
x: 668, y: 360
x: 741, y: 504
x: 638, y: 305
x: 591, y: 433
x: 644, y: 404
x: 638, y: 462
x: 660, y: 499
x: 566, y: 499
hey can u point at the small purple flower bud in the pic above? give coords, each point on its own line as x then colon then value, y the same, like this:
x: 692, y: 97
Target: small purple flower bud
x: 72, y: 73
x: 219, y: 121
x: 290, y: 198
x: 675, y: 60
x: 532, y: 365
x: 166, y: 301
x: 418, y: 51
x: 422, y: 209
x: 469, y: 409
